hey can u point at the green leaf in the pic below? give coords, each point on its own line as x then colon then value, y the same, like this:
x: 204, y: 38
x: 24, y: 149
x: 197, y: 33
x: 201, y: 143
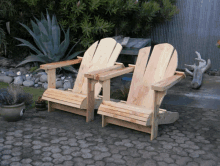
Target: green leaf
x: 75, y: 54
x: 28, y: 44
x: 37, y: 40
x: 72, y: 48
x: 70, y: 68
x: 32, y: 58
x: 86, y: 27
x: 64, y: 45
x: 56, y: 37
x: 49, y: 23
x: 41, y: 27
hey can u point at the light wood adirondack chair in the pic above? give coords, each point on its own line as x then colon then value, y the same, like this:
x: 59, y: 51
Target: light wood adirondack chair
x: 83, y: 97
x: 151, y: 79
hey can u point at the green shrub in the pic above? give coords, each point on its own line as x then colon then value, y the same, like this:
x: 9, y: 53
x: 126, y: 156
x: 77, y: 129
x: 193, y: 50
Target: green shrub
x: 96, y: 19
x: 6, y: 9
x: 90, y: 20
x: 47, y: 35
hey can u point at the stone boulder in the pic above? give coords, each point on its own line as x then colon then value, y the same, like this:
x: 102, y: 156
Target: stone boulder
x: 43, y: 78
x: 18, y: 80
x: 37, y: 80
x: 6, y: 79
x: 45, y: 85
x: 59, y: 84
x: 28, y: 83
x: 67, y: 85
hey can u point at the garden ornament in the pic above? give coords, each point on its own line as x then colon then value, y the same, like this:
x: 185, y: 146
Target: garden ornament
x: 198, y: 71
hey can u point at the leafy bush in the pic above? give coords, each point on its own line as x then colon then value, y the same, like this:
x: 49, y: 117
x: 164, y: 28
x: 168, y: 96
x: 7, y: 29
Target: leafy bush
x: 95, y: 19
x: 91, y: 20
x: 6, y: 9
x: 14, y: 95
x: 47, y: 35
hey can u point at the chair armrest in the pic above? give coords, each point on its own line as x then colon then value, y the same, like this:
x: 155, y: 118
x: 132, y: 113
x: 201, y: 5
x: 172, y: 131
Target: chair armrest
x: 168, y: 82
x: 60, y: 64
x: 93, y: 74
x: 114, y: 73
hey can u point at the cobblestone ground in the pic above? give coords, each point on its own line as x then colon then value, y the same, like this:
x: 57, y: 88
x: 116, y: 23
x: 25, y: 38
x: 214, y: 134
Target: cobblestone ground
x: 62, y: 138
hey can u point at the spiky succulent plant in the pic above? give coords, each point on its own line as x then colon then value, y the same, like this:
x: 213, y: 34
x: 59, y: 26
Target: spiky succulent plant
x: 47, y: 34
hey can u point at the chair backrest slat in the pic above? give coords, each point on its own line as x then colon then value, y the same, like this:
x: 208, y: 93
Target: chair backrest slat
x: 159, y: 64
x: 105, y: 55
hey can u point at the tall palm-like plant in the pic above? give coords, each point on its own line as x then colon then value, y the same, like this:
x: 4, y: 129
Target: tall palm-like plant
x: 46, y: 34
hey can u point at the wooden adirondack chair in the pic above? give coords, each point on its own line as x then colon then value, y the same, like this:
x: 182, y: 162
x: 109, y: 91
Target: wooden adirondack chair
x: 151, y: 79
x: 83, y: 97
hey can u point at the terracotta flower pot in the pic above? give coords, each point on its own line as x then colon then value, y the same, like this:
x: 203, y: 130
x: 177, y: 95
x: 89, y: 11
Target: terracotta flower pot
x: 12, y: 113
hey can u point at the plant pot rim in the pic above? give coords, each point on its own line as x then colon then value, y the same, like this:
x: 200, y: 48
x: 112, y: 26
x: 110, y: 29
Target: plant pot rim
x: 13, y: 105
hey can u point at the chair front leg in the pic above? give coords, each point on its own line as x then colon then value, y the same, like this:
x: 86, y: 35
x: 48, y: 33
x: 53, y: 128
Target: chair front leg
x: 90, y: 100
x: 106, y: 97
x: 51, y: 79
x: 155, y: 114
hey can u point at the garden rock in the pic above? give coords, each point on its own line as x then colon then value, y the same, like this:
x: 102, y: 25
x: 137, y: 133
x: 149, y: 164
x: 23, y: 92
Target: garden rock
x: 6, y: 79
x: 37, y: 80
x: 18, y: 80
x: 10, y: 73
x: 45, y: 85
x: 28, y: 77
x: 59, y: 84
x: 28, y: 83
x: 23, y: 70
x: 36, y: 85
x: 43, y: 78
x: 42, y: 73
x: 3, y: 69
x: 33, y: 79
x: 61, y: 88
x: 67, y: 85
x: 59, y: 76
x: 14, y: 70
x: 40, y: 84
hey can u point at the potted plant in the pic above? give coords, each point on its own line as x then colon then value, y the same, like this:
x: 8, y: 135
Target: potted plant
x: 40, y: 104
x: 13, y: 101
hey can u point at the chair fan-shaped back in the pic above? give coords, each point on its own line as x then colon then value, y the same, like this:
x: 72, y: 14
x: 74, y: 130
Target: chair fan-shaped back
x: 98, y: 56
x: 161, y: 64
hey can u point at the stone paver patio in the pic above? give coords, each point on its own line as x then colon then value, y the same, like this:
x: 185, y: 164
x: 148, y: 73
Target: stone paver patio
x: 62, y: 138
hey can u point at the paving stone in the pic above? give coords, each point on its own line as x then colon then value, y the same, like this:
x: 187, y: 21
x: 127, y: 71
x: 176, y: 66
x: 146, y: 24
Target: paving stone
x: 100, y: 155
x: 16, y: 164
x: 47, y: 159
x: 26, y: 161
x: 47, y: 164
x: 15, y: 159
x: 5, y: 162
x: 6, y: 157
x: 52, y: 141
x: 68, y: 163
x: 192, y: 164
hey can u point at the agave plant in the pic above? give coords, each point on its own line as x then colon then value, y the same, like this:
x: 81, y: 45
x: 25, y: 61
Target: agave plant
x: 46, y: 34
